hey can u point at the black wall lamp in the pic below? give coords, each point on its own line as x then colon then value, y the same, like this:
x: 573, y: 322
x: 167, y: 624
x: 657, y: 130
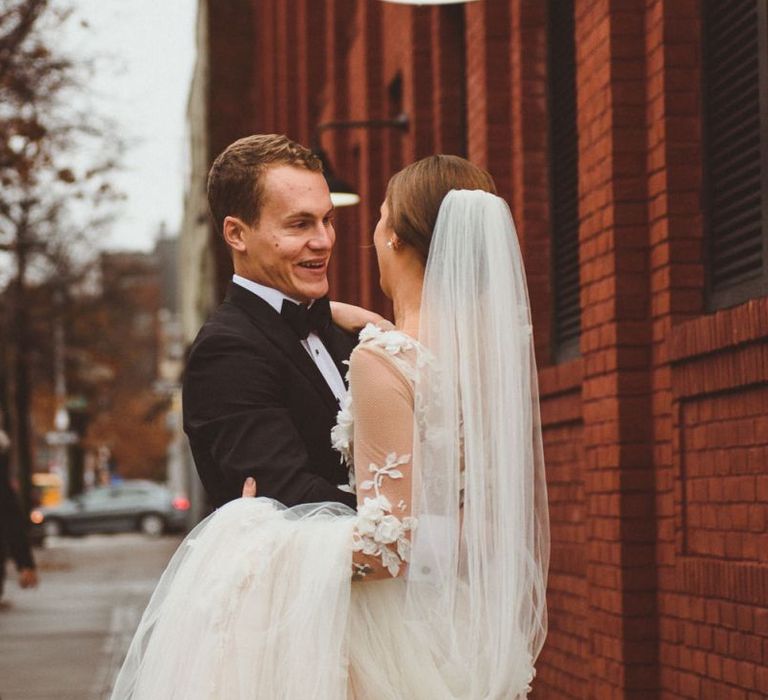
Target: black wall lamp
x: 342, y: 193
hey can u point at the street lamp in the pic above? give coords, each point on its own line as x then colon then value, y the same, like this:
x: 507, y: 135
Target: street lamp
x: 342, y: 193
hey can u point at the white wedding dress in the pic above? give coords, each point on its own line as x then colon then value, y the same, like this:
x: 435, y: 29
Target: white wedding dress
x: 434, y: 588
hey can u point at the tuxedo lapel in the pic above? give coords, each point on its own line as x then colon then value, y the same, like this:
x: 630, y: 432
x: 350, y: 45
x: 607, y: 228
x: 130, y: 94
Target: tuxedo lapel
x: 277, y: 331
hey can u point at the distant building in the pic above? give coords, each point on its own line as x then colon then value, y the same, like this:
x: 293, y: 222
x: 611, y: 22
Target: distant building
x: 167, y: 257
x: 131, y: 293
x: 180, y: 476
x: 125, y: 330
x: 197, y: 268
x: 197, y: 252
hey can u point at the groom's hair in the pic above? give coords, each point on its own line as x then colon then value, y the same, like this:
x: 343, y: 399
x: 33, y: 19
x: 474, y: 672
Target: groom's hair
x: 236, y: 178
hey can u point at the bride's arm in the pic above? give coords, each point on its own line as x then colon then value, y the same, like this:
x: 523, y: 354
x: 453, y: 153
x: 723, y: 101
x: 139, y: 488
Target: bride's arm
x: 355, y: 318
x: 383, y: 438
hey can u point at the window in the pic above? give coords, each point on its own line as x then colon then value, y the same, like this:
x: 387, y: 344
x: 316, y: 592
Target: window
x: 97, y: 497
x: 735, y: 110
x: 132, y: 493
x: 564, y: 183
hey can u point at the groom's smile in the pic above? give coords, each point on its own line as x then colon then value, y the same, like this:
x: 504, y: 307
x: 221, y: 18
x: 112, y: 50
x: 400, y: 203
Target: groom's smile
x: 315, y: 265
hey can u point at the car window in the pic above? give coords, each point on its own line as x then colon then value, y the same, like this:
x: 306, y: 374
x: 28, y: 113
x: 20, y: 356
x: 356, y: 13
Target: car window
x: 134, y: 492
x: 97, y: 496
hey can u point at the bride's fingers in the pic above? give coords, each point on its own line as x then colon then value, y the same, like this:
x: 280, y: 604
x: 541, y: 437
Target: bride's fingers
x: 249, y: 488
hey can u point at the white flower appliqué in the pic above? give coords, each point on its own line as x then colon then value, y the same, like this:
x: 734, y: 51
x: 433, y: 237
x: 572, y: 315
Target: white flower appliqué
x: 342, y: 432
x: 379, y: 533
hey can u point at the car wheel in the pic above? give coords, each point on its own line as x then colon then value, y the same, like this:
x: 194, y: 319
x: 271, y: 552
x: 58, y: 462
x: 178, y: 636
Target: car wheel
x: 53, y: 528
x: 152, y: 525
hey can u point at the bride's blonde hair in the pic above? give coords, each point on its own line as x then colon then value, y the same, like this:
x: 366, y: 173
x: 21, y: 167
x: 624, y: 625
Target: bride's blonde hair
x: 414, y: 195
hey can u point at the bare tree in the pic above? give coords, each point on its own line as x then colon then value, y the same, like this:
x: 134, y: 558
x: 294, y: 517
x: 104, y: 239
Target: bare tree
x: 53, y: 196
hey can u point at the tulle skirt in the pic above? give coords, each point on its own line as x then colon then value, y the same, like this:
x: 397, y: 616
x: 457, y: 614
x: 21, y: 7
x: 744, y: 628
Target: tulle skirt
x: 254, y: 604
x: 258, y: 602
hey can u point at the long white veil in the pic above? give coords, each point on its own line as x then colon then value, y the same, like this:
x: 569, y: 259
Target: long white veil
x: 478, y: 593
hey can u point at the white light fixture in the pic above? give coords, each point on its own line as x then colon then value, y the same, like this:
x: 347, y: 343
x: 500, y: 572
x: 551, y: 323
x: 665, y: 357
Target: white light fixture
x: 428, y: 2
x: 344, y: 199
x: 342, y: 193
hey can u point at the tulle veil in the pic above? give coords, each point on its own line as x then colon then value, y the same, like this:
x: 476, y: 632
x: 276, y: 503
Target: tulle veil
x: 258, y: 601
x: 477, y: 578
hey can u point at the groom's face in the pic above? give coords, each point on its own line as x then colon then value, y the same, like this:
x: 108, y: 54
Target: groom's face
x: 290, y: 246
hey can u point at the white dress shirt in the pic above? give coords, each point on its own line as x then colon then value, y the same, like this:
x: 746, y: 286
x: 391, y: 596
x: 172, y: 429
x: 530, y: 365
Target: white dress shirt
x: 312, y: 343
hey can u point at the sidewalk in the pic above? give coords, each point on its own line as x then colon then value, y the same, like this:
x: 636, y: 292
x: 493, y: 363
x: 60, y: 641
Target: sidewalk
x: 67, y: 639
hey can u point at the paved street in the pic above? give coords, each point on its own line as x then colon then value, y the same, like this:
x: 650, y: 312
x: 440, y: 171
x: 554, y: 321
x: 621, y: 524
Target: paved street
x: 66, y: 639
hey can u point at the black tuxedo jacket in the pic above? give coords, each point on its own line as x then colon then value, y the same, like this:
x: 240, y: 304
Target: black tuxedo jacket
x: 255, y: 404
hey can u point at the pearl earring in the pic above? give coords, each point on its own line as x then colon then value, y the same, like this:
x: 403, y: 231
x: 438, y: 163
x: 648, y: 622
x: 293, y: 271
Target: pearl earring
x: 390, y: 245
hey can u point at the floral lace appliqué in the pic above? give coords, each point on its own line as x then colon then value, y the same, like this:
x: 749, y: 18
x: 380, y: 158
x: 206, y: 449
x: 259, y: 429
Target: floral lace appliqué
x: 379, y: 532
x: 394, y: 343
x: 341, y: 436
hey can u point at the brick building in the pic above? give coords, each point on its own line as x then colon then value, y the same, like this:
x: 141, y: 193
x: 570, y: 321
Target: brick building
x: 629, y: 138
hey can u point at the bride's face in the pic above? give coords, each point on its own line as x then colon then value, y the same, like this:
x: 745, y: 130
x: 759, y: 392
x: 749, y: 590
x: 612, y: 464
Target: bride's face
x: 385, y: 255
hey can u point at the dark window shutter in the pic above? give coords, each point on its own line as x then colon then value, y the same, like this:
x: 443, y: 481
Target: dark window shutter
x: 564, y: 184
x: 735, y: 94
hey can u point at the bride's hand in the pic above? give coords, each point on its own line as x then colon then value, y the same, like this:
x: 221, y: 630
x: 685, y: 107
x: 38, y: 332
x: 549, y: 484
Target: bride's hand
x: 249, y: 488
x: 353, y: 318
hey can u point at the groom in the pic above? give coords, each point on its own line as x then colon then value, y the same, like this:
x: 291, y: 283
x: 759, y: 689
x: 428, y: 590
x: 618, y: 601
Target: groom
x: 263, y: 380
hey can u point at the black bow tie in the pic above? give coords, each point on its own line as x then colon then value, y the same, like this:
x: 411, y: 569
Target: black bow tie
x: 305, y: 320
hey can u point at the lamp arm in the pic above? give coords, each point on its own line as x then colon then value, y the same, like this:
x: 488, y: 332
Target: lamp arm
x: 401, y: 122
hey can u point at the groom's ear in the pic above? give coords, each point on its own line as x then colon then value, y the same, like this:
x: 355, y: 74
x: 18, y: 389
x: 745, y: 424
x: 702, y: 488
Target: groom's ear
x: 234, y: 233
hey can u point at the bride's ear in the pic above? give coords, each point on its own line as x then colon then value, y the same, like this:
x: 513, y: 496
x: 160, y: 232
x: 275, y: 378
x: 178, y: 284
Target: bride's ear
x: 234, y: 233
x: 395, y: 242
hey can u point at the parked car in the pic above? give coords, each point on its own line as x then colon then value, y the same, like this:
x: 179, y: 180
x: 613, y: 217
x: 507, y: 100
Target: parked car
x: 142, y: 506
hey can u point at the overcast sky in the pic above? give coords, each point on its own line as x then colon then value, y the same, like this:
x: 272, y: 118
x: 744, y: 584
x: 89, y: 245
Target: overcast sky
x: 146, y: 52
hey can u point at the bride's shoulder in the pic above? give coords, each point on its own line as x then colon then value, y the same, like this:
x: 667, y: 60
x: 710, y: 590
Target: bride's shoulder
x: 390, y: 340
x: 382, y: 347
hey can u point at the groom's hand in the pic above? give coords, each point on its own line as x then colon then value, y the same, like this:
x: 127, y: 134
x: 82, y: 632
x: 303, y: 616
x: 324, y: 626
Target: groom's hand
x: 249, y: 488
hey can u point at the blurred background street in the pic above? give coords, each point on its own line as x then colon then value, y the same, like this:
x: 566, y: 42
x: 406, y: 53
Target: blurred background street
x: 67, y: 638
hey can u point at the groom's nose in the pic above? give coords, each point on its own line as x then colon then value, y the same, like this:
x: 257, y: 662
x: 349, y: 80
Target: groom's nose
x: 323, y: 237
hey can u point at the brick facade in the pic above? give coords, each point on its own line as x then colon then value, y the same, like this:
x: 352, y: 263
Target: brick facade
x: 656, y: 435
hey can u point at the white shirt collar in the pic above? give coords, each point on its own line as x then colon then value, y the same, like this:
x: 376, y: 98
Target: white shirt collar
x: 272, y: 296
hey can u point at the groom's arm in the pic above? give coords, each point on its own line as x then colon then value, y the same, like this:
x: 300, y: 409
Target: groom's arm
x: 235, y: 410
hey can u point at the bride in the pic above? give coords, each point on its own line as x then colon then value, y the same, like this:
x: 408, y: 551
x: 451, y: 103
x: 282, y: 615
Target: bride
x: 435, y: 587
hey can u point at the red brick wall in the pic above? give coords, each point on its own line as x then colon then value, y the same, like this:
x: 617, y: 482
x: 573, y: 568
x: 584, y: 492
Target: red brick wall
x: 235, y: 91
x: 656, y: 437
x: 562, y: 670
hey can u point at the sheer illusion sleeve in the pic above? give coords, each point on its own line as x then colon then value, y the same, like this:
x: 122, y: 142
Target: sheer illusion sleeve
x: 383, y: 402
